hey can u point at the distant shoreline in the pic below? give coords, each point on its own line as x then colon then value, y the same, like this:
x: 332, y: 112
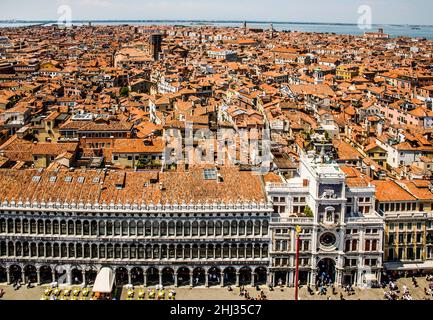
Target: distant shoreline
x: 211, y: 21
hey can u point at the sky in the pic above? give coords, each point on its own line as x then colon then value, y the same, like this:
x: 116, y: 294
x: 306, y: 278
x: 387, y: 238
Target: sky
x: 332, y: 11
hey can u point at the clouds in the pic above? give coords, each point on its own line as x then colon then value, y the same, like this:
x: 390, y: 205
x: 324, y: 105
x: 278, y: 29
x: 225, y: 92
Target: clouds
x: 341, y: 11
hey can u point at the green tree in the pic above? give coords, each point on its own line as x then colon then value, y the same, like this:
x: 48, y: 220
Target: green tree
x: 124, y: 92
x: 308, y: 212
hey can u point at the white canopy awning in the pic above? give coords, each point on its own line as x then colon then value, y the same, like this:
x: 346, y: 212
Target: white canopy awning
x: 370, y: 277
x: 104, y: 281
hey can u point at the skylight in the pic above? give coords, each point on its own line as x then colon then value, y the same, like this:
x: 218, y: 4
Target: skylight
x: 210, y: 174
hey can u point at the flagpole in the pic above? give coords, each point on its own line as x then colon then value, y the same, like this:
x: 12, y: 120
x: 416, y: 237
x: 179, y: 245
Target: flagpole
x: 298, y: 231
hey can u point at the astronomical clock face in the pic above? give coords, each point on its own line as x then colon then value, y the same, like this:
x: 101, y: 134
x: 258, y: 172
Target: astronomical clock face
x: 328, y: 241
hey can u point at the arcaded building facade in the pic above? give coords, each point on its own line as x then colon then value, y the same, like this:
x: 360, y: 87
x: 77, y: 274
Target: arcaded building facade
x: 207, y: 226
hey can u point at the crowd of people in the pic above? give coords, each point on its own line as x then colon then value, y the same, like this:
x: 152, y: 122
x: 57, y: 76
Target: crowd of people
x: 244, y: 293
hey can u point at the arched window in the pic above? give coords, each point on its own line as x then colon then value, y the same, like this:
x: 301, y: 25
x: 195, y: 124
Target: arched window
x: 18, y: 225
x: 202, y: 253
x: 32, y: 226
x: 86, y: 228
x: 3, y: 248
x: 102, y: 251
x: 11, y: 249
x: 241, y: 251
x: 195, y: 228
x: 94, y: 251
x: 156, y: 252
x: 210, y: 254
x: 63, y: 250
x: 125, y: 252
x: 241, y: 228
x: 163, y: 229
x: 78, y: 228
x: 101, y: 228
x: 218, y: 251
x: 48, y: 250
x: 155, y: 226
x: 110, y: 251
x: 257, y: 225
x: 226, y: 251
x: 124, y: 228
x: 194, y: 251
x: 117, y: 228
x: 140, y: 228
x: 148, y: 228
x: 109, y: 228
x: 2, y: 226
x: 56, y: 250
x: 71, y: 250
x: 93, y: 228
x: 249, y: 251
x: 171, y: 252
x: 117, y: 251
x: 41, y: 250
x: 164, y: 251
x: 48, y: 227
x: 249, y: 227
x: 26, y: 226
x: 179, y: 251
x: 63, y: 227
x: 56, y: 227
x: 202, y: 228
x: 218, y: 228
x: 233, y: 251
x: 71, y: 227
x: 187, y: 228
x: 141, y: 252
x: 234, y: 228
x: 25, y: 249
x: 86, y: 251
x: 256, y: 251
x: 132, y: 228
x: 210, y: 228
x: 133, y: 252
x: 226, y: 228
x: 79, y: 252
x: 187, y: 251
x: 179, y: 228
x: 40, y: 226
x: 171, y: 228
x: 329, y: 214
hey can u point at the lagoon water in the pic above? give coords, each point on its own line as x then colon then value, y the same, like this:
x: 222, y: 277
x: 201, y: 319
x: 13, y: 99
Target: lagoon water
x: 353, y: 29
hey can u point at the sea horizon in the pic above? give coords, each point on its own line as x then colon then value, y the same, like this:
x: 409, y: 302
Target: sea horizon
x: 394, y: 30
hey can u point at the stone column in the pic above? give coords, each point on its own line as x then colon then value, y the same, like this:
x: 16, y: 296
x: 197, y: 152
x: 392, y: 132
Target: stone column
x: 38, y: 276
x: 287, y: 279
x: 291, y: 278
x: 237, y: 279
x: 175, y: 279
x: 253, y: 274
x: 69, y: 277
x: 160, y: 277
x: 83, y: 272
x: 53, y: 275
x: 8, y: 275
x: 191, y: 278
x: 23, y: 275
x: 129, y: 277
x: 144, y: 278
x: 222, y: 279
x: 206, y: 278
